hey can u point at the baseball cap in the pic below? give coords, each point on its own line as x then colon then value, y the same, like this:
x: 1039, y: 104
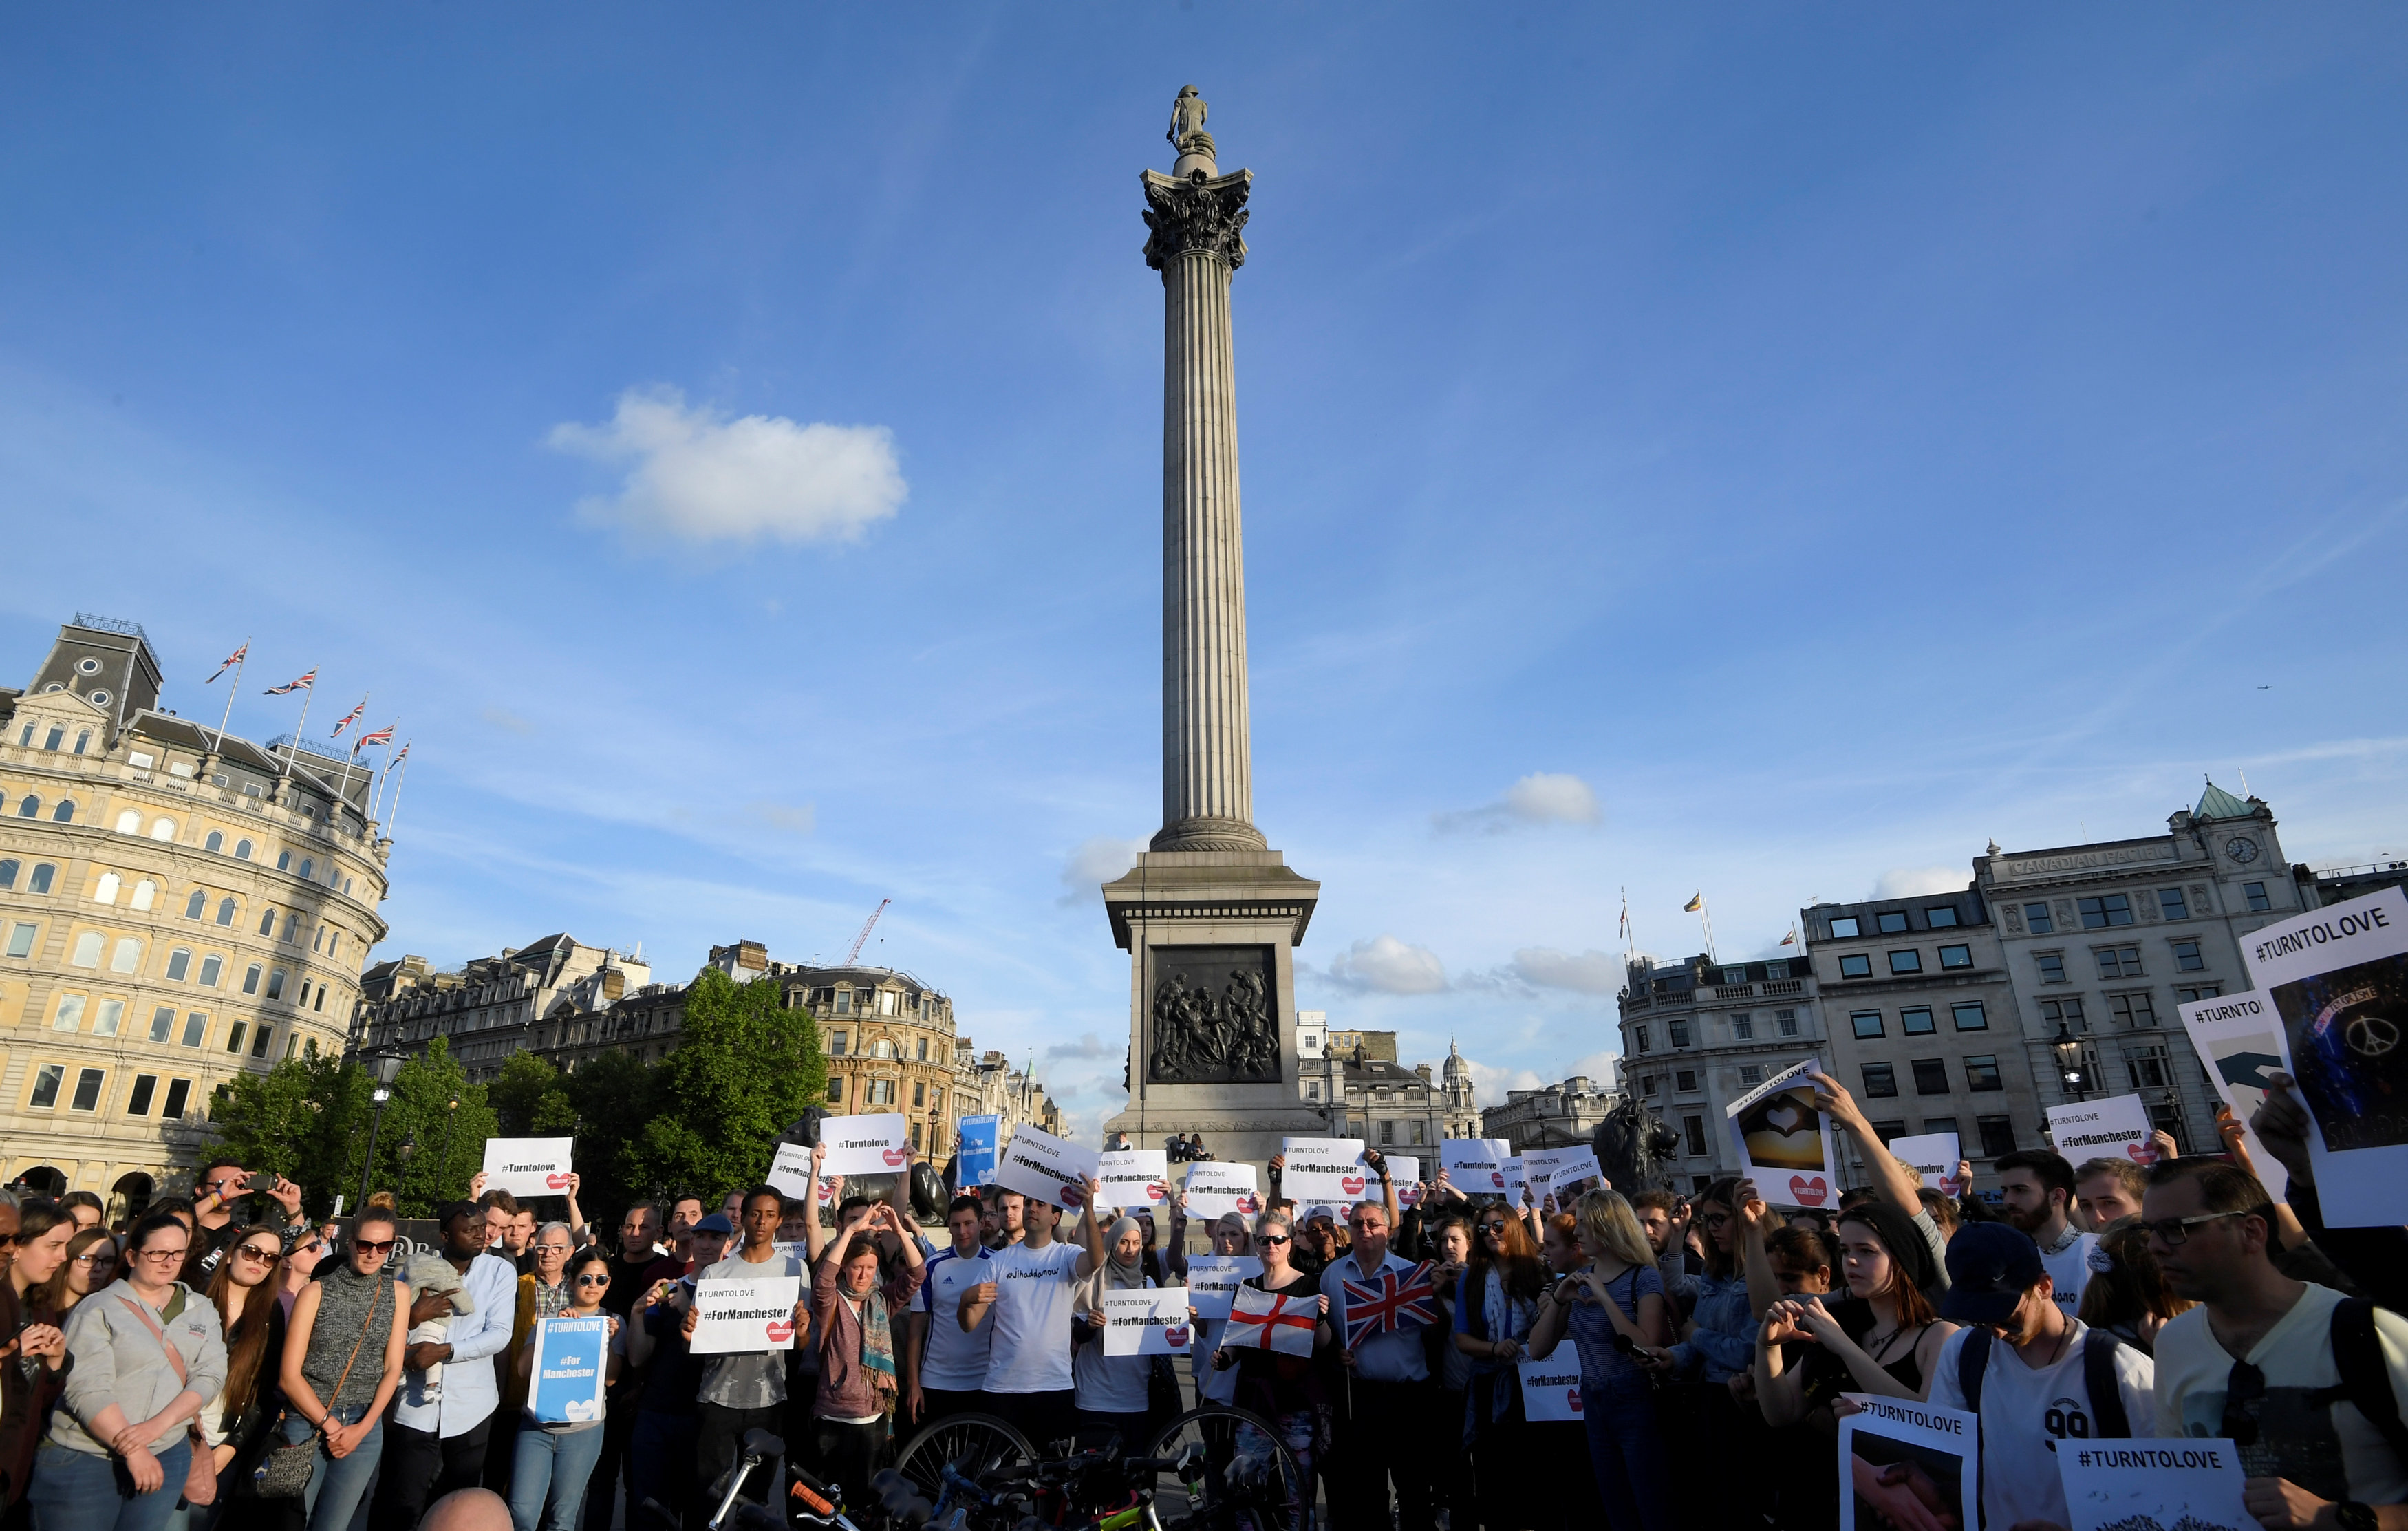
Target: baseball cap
x: 716, y: 1223
x: 1990, y: 1268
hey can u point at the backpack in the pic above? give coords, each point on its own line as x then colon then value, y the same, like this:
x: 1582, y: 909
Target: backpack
x: 2365, y: 1380
x: 2097, y: 1375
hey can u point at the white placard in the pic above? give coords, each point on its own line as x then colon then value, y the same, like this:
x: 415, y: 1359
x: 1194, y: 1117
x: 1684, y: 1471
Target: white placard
x: 1133, y: 1179
x: 1784, y: 1142
x: 1475, y: 1165
x: 1916, y: 1451
x: 1146, y: 1322
x: 2338, y: 977
x: 878, y: 1144
x: 528, y: 1166
x: 1405, y: 1174
x: 1517, y: 1184
x: 1551, y: 1388
x: 1219, y: 1187
x: 749, y: 1313
x: 1274, y: 1321
x: 1213, y: 1280
x: 1054, y: 1170
x: 2152, y: 1482
x: 1323, y: 1169
x: 1933, y: 1156
x: 790, y: 1171
x: 2238, y: 1042
x: 2117, y: 1128
x: 1566, y: 1165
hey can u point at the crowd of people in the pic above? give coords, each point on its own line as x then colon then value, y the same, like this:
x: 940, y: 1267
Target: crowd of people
x: 223, y: 1361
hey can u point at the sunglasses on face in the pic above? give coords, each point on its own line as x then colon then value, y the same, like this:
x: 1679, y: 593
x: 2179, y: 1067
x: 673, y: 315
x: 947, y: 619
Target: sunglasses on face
x: 1492, y: 1227
x: 594, y: 1281
x: 251, y: 1252
x: 1270, y: 1239
x: 375, y: 1246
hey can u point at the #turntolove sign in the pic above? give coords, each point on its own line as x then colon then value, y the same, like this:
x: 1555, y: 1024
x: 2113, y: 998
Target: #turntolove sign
x: 2195, y: 1482
x: 1218, y: 1187
x: 1784, y: 1143
x: 1323, y: 1169
x: 1146, y: 1322
x: 1213, y: 1280
x: 1475, y: 1165
x: 570, y: 1357
x: 879, y: 1144
x: 1132, y: 1179
x: 1558, y: 1171
x: 1934, y: 1155
x: 751, y: 1314
x: 1551, y: 1388
x: 528, y: 1166
x: 1038, y: 1163
x: 790, y: 1171
x: 2115, y: 1128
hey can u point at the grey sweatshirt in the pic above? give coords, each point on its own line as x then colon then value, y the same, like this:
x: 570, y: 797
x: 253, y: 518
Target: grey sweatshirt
x: 117, y: 1361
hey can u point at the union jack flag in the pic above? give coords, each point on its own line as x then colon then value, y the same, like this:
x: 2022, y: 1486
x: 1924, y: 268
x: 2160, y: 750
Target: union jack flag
x: 230, y: 660
x: 1389, y: 1303
x: 349, y: 718
x: 382, y: 735
x: 305, y: 683
x: 404, y: 755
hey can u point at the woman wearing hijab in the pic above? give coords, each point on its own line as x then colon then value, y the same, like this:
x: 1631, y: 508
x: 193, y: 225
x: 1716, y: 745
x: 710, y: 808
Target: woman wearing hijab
x: 1229, y: 1236
x: 1112, y: 1388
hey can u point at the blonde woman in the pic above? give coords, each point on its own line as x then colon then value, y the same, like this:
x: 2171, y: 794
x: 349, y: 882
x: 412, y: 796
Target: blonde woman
x: 1613, y: 1307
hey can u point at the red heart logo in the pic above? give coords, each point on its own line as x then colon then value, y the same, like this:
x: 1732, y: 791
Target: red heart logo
x: 1572, y: 1395
x: 1351, y: 1184
x: 1407, y: 1195
x: 1154, y: 1192
x: 1951, y: 1186
x: 1073, y: 1196
x: 893, y: 1157
x: 2142, y: 1153
x: 827, y: 1191
x: 1246, y: 1203
x: 1499, y: 1179
x: 781, y: 1331
x: 1812, y: 1193
x: 558, y: 1182
x: 1176, y: 1339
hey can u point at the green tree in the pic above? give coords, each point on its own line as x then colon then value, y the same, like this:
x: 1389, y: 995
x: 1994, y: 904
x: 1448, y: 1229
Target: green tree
x: 297, y: 1120
x: 529, y: 1099
x: 745, y: 1067
x: 613, y: 1096
x: 421, y: 1117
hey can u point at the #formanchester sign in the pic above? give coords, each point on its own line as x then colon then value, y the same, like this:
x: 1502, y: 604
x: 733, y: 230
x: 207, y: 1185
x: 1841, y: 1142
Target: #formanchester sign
x: 1038, y: 1163
x: 864, y: 1145
x: 571, y: 1355
x: 528, y: 1166
x: 1213, y: 1280
x: 751, y: 1313
x: 1551, y: 1388
x: 1217, y: 1187
x: 2117, y: 1128
x: 1324, y: 1169
x: 1784, y: 1143
x: 1146, y: 1322
x: 1132, y: 1179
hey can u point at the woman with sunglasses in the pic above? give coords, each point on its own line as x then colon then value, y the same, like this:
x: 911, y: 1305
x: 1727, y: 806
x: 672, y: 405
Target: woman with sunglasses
x: 1494, y: 1305
x: 301, y: 1263
x: 245, y: 1290
x: 342, y: 1361
x: 1228, y: 1237
x: 551, y: 1464
x: 144, y: 1355
x: 1612, y: 1306
x: 90, y: 1265
x: 1284, y: 1389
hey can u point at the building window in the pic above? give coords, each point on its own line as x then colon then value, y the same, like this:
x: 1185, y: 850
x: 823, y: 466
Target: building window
x: 104, y: 891
x: 1998, y: 1135
x: 885, y: 1048
x: 214, y: 841
x: 1786, y: 1022
x: 163, y: 829
x: 1955, y: 956
x: 1891, y: 923
x: 2169, y: 904
x: 2186, y: 957
x: 2205, y: 990
x: 178, y: 1091
x: 1647, y: 1083
x: 1685, y: 1081
x: 1916, y: 1020
x: 1865, y: 1023
x: 1908, y: 961
x: 1969, y: 1016
x: 179, y: 962
x: 1742, y: 1028
x: 8, y: 875
x: 284, y: 861
x: 1694, y: 1129
x: 2066, y: 1013
x: 1680, y: 1030
x: 1751, y: 1073
x: 1388, y: 1135
x: 21, y: 940
x: 2105, y: 911
x: 127, y: 958
x: 146, y: 893
x: 2052, y: 966
x: 163, y: 1023
x: 844, y: 1002
x: 923, y: 1056
x: 2256, y: 893
x: 258, y: 1044
x: 919, y: 1095
x: 2118, y: 961
x: 40, y: 882
x: 70, y: 1014
x: 138, y: 1103
x: 86, y: 1091
x: 1855, y: 965
x: 887, y: 1002
x: 836, y: 1040
x: 2147, y: 1069
x: 1641, y: 1034
x: 242, y: 850
x: 1880, y: 1079
x: 250, y: 979
x: 1930, y: 1076
x: 1312, y: 1090
x: 1887, y: 1131
x: 293, y: 926
x: 1940, y: 916
x: 29, y: 807
x: 267, y: 922
x: 64, y: 812
x: 1845, y: 928
x: 836, y: 1089
x: 46, y: 1086
x: 105, y: 1019
x: 87, y: 950
x: 225, y: 912
x: 234, y: 1035
x: 881, y: 1093
x: 2133, y: 1009
x: 1981, y: 1072
x: 276, y: 984
x: 197, y: 904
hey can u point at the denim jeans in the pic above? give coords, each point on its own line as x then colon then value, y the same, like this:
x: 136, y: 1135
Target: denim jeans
x: 76, y: 1490
x: 339, y: 1483
x: 549, y: 1473
x: 1626, y: 1446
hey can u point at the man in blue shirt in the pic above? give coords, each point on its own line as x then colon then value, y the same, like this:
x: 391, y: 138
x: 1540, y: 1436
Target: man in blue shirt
x: 434, y: 1445
x: 1388, y: 1401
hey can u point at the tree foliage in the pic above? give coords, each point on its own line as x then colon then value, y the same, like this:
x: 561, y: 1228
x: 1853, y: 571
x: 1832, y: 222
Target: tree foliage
x: 309, y: 1119
x: 530, y: 1100
x: 745, y: 1067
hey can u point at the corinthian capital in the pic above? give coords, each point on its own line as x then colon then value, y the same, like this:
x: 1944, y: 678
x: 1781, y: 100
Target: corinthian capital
x: 1201, y: 213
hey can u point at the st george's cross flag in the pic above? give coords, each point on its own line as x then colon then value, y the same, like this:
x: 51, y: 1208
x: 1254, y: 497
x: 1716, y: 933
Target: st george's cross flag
x: 306, y: 682
x: 1390, y: 1302
x: 230, y: 660
x: 1271, y: 1321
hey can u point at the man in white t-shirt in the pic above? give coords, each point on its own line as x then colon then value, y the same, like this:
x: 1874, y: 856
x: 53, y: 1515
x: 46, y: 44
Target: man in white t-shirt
x: 944, y: 1365
x: 1027, y: 1296
x: 2038, y: 1185
x: 2033, y: 1389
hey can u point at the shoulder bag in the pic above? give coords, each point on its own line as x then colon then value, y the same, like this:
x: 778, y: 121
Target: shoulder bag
x: 286, y: 1467
x: 201, y: 1478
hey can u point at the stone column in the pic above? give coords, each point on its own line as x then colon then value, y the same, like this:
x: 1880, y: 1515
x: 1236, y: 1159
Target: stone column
x: 1206, y: 760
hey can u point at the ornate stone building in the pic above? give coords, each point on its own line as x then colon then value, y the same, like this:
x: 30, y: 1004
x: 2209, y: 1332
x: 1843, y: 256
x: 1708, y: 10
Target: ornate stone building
x: 1354, y: 1080
x: 177, y: 907
x: 1559, y: 1116
x: 549, y: 998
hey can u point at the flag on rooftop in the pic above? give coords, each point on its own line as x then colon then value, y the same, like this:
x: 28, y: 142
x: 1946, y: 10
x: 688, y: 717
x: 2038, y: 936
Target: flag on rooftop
x: 305, y: 683
x: 1790, y: 939
x: 230, y: 660
x: 382, y: 735
x: 349, y: 718
x: 1694, y: 900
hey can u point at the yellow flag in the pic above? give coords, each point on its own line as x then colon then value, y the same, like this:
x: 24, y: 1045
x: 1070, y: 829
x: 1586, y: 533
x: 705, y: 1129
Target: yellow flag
x: 1694, y: 900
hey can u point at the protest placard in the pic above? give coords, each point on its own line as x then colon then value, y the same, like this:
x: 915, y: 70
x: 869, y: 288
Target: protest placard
x: 2117, y: 1128
x: 790, y: 1170
x: 1551, y: 1388
x: 1475, y: 1165
x: 1565, y: 1166
x: 1405, y: 1174
x: 1133, y: 1179
x: 1213, y: 1280
x: 1273, y: 1321
x: 1516, y: 1182
x: 1038, y: 1163
x: 1217, y: 1188
x: 2235, y: 1036
x: 2339, y: 980
x: 1899, y: 1460
x: 1933, y: 1156
x: 1323, y: 1169
x: 876, y: 1144
x: 2137, y: 1484
x: 978, y: 1152
x: 745, y: 1313
x: 1784, y: 1143
x: 528, y: 1166
x: 571, y: 1357
x: 1146, y: 1322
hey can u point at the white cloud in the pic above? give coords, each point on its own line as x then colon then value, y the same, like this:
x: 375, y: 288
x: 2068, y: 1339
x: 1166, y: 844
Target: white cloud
x: 1542, y: 798
x: 1489, y: 1081
x: 698, y: 477
x: 792, y: 818
x: 1089, y: 1045
x: 1097, y: 860
x: 1390, y: 966
x: 1916, y: 881
x: 510, y: 722
x: 1589, y: 972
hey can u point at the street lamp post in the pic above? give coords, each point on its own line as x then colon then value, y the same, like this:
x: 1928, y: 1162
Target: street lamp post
x: 387, y: 1067
x: 2069, y: 1061
x: 450, y: 1116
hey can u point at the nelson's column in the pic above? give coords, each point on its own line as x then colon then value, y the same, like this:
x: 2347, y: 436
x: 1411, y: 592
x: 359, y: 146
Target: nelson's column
x: 1210, y: 915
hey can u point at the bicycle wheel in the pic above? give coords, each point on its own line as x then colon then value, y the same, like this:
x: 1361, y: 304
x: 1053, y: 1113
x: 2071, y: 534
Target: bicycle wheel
x: 1252, y: 1480
x: 972, y: 1443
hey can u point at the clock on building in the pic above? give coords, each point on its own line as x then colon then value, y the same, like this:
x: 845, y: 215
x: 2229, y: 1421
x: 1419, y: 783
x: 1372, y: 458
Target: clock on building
x: 2241, y: 847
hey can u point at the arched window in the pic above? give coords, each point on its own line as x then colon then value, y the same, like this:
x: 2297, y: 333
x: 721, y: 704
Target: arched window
x: 163, y: 829
x: 242, y: 850
x: 321, y: 998
x: 318, y: 939
x: 885, y: 1048
x: 57, y: 736
x: 197, y: 904
x: 7, y: 874
x: 212, y: 967
x: 215, y: 842
x: 127, y: 957
x: 250, y: 979
x: 29, y: 808
x: 64, y: 812
x: 129, y: 822
x: 40, y: 882
x: 293, y: 926
x: 82, y: 738
x: 87, y: 950
x: 225, y: 912
x: 146, y: 893
x: 267, y: 923
x: 104, y: 891
x: 179, y: 963
x: 306, y: 865
x: 284, y: 861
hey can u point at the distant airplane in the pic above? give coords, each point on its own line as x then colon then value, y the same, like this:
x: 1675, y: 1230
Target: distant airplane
x: 2265, y: 688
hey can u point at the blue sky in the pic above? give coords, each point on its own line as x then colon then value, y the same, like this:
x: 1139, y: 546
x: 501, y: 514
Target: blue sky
x: 1761, y: 448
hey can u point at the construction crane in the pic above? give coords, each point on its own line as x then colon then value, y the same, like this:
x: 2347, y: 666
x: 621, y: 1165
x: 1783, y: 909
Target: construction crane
x: 867, y: 926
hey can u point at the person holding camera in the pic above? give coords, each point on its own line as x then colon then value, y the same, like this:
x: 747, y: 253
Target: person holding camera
x: 221, y: 1188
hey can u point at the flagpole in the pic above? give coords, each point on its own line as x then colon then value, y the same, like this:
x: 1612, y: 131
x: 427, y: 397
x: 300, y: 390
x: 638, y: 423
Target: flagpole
x: 344, y: 791
x: 219, y: 748
x: 376, y: 794
x: 295, y: 748
x: 397, y: 796
x: 1706, y: 914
